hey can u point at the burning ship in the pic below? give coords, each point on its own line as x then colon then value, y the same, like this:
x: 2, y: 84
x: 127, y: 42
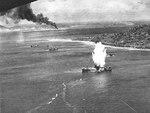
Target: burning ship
x: 102, y: 69
x: 99, y: 56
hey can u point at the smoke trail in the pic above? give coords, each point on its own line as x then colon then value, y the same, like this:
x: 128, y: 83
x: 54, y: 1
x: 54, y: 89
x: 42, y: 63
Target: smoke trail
x: 25, y: 12
x: 99, y: 54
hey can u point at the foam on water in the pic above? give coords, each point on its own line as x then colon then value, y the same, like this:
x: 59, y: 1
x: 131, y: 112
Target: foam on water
x: 50, y: 101
x: 59, y: 40
x: 70, y: 40
x: 44, y: 104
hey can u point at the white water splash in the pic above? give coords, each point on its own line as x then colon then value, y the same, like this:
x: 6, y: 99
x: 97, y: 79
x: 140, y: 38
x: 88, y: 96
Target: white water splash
x: 20, y: 38
x: 52, y: 99
x: 99, y: 54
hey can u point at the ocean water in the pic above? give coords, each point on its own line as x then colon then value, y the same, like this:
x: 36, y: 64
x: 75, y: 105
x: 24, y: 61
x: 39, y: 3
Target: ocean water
x: 35, y: 80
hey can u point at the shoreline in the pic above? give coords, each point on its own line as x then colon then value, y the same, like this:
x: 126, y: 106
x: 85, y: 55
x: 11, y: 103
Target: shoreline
x: 87, y: 42
x: 127, y: 48
x: 115, y: 47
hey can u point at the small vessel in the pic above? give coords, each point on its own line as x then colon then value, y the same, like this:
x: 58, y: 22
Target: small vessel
x: 53, y: 49
x: 93, y: 70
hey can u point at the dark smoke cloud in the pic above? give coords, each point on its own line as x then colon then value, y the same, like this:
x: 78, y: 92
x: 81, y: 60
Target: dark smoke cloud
x: 25, y: 12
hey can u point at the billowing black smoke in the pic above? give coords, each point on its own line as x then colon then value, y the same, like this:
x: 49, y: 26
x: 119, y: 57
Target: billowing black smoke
x: 25, y: 12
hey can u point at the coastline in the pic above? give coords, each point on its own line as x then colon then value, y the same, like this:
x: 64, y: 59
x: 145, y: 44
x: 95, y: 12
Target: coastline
x: 127, y: 48
x: 91, y: 43
x: 116, y: 47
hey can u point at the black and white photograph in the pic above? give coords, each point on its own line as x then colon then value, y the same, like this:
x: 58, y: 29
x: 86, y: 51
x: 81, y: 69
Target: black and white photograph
x: 74, y: 56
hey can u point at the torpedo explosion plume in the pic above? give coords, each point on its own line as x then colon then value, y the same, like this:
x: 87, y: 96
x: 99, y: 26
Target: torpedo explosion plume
x: 25, y: 12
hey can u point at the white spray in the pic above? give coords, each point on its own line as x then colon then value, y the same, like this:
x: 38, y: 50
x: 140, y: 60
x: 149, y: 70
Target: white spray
x: 99, y: 54
x: 21, y: 37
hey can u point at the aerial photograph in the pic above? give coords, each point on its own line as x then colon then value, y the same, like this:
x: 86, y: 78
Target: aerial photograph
x: 74, y: 56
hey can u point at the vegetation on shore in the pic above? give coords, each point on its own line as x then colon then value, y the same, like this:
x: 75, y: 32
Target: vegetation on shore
x: 136, y: 36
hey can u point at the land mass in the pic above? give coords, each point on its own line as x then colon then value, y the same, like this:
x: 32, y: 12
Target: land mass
x: 137, y: 36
